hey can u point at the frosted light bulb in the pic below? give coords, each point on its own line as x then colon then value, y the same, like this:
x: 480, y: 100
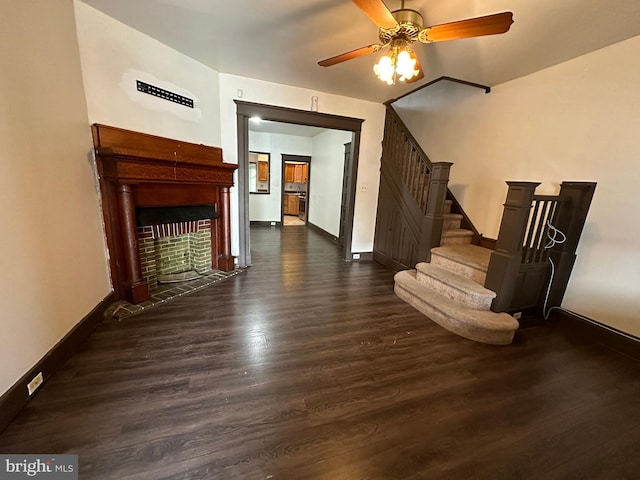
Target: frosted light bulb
x: 406, y: 66
x: 384, y: 69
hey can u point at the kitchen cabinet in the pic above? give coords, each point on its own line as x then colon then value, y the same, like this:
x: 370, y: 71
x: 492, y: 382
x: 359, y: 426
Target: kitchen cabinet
x: 289, y: 173
x: 296, y: 172
x: 300, y: 173
x: 291, y: 204
x: 263, y: 171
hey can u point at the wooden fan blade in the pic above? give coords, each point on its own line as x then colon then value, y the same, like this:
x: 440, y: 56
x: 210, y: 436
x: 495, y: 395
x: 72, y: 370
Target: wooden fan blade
x: 377, y: 12
x: 473, y: 27
x: 349, y: 55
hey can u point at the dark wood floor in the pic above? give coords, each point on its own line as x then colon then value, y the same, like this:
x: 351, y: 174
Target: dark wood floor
x: 306, y: 367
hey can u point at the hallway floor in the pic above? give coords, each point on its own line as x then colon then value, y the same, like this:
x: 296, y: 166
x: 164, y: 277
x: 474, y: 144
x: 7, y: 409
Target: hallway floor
x: 292, y: 220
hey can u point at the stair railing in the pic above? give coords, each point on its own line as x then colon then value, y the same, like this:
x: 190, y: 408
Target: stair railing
x: 419, y: 187
x: 519, y: 267
x: 401, y: 151
x: 544, y: 208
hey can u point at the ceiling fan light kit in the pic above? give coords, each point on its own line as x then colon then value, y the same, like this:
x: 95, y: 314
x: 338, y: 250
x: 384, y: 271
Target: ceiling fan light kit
x: 400, y: 28
x: 401, y: 63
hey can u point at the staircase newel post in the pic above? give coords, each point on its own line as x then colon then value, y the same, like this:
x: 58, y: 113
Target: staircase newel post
x: 506, y: 258
x: 575, y: 200
x: 434, y: 215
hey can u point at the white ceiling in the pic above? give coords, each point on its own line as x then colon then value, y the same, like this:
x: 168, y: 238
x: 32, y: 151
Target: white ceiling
x: 282, y: 40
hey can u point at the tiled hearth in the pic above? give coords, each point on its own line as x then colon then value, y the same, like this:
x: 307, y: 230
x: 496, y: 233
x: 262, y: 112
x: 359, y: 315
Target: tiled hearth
x: 162, y: 293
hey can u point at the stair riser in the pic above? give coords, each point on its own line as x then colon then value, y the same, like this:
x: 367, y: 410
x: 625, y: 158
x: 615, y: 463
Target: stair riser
x: 485, y: 327
x: 500, y: 338
x: 466, y: 271
x: 451, y: 224
x: 473, y: 301
x: 447, y: 206
x: 456, y: 240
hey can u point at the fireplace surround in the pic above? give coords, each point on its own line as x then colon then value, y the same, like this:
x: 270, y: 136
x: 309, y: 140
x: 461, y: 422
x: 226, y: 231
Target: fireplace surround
x: 138, y: 171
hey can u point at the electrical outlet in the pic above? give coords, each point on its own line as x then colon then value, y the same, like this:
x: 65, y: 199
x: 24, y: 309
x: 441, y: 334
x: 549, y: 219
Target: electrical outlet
x: 33, y: 385
x: 517, y: 315
x: 356, y: 256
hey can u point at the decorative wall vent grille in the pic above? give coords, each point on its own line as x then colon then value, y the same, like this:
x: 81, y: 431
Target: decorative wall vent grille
x: 165, y: 94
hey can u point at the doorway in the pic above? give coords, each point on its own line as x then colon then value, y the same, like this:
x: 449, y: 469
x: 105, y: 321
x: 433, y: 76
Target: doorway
x: 296, y: 171
x: 246, y: 110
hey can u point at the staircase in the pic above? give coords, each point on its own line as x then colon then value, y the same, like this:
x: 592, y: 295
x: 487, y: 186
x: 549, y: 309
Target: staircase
x: 464, y: 286
x: 449, y: 290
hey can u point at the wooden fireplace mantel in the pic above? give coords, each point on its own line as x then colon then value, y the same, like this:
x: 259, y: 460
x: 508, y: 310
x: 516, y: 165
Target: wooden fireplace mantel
x: 141, y: 170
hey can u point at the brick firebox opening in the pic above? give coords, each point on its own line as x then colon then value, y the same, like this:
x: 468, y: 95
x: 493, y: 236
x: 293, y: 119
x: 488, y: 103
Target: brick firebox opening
x: 174, y: 242
x: 168, y: 250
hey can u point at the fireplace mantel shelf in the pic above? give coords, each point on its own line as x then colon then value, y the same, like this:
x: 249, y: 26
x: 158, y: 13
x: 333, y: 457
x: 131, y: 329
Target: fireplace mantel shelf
x: 135, y: 166
x: 157, y: 157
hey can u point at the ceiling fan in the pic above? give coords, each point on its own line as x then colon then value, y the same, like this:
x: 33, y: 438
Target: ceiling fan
x: 400, y: 28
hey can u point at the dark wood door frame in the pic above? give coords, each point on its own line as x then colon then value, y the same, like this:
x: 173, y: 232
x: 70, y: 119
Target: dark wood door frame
x: 345, y: 189
x: 246, y: 110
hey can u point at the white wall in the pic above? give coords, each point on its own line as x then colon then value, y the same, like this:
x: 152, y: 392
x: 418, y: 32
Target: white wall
x: 283, y: 95
x: 325, y: 187
x: 126, y: 54
x: 115, y: 55
x: 267, y: 208
x: 53, y: 267
x: 575, y: 121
